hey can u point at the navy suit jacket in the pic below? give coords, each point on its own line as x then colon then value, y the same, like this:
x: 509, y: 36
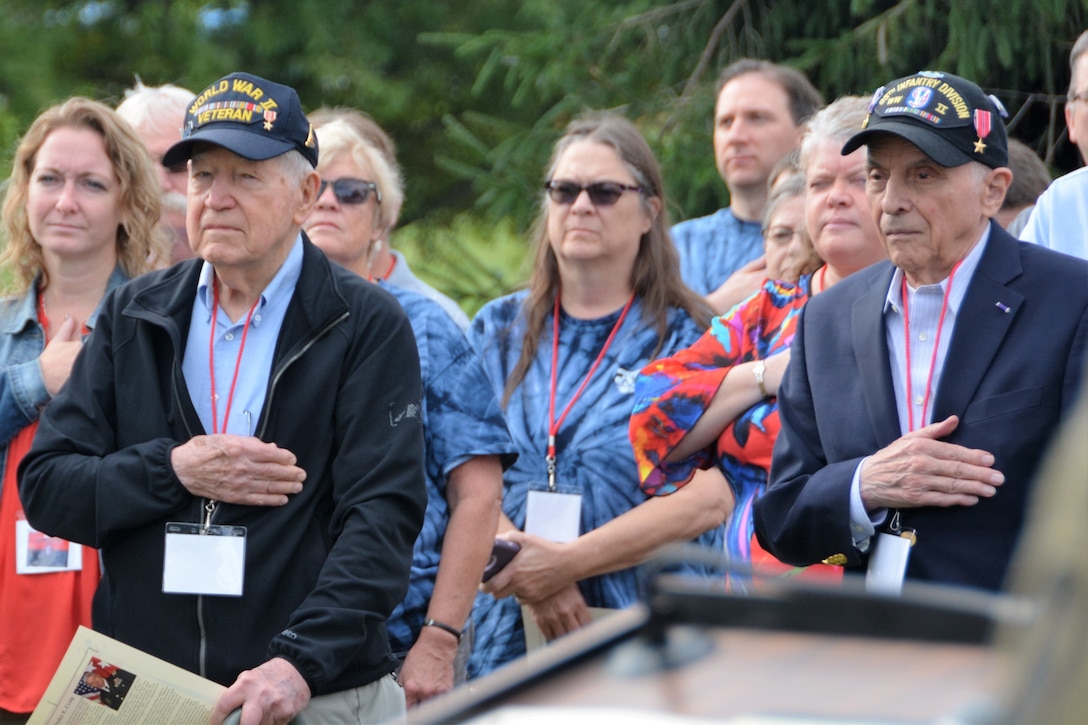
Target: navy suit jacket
x: 1013, y: 368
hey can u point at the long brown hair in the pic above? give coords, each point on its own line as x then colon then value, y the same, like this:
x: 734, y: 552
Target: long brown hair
x: 140, y: 245
x: 655, y: 275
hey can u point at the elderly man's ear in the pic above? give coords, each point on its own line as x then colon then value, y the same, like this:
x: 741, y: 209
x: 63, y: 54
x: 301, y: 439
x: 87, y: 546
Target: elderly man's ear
x: 310, y: 185
x: 995, y: 186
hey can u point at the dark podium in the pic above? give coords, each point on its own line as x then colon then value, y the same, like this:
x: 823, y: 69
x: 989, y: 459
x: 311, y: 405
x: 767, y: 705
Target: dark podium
x: 820, y: 654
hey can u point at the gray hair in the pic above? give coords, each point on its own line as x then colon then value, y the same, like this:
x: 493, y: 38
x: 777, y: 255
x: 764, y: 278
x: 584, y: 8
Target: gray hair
x: 836, y: 123
x: 1080, y: 47
x: 295, y: 166
x: 155, y: 107
x: 341, y: 137
x: 788, y: 187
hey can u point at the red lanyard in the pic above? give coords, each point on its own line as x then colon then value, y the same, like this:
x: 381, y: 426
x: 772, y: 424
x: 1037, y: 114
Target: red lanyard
x: 936, y: 346
x: 43, y: 320
x: 237, y: 363
x: 554, y: 425
x: 388, y: 272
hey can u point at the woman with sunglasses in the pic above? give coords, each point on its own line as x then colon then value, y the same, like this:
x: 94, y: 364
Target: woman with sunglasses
x: 79, y: 218
x: 605, y: 297
x: 382, y: 261
x: 465, y: 437
x: 715, y: 404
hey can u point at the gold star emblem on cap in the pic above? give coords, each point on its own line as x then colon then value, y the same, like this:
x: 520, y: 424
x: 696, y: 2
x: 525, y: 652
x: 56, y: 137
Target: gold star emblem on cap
x: 980, y: 147
x: 267, y: 125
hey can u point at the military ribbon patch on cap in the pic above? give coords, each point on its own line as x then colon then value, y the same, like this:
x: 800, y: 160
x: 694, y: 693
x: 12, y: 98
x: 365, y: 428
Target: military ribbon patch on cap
x: 983, y: 122
x: 872, y: 104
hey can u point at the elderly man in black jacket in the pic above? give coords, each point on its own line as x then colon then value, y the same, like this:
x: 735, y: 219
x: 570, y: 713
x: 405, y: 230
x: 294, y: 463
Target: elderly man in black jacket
x: 241, y: 438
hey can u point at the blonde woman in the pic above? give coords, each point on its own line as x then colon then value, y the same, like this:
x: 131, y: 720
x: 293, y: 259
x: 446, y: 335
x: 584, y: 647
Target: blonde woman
x: 79, y: 218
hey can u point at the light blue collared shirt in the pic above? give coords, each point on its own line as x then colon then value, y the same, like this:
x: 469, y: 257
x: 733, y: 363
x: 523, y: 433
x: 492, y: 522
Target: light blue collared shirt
x: 1059, y: 220
x: 256, y: 363
x: 925, y: 305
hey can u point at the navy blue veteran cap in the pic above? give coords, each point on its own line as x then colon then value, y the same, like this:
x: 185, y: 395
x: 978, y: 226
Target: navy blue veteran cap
x: 949, y: 118
x: 254, y: 118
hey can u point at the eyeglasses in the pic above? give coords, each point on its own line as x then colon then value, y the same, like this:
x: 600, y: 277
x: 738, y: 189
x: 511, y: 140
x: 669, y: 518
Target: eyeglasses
x: 350, y: 191
x: 781, y: 235
x: 601, y: 193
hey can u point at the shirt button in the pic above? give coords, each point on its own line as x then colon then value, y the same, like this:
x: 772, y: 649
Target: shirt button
x: 229, y: 336
x: 923, y: 337
x: 918, y: 400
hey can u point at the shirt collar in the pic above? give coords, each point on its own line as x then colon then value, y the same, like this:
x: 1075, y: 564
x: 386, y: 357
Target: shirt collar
x: 893, y: 299
x: 286, y: 277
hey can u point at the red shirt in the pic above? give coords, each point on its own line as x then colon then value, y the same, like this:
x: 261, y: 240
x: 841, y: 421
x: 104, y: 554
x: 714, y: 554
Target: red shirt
x: 39, y: 613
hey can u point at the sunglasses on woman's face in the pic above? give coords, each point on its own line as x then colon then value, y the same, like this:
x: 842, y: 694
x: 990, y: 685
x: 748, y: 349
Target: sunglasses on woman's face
x: 601, y: 193
x: 350, y: 191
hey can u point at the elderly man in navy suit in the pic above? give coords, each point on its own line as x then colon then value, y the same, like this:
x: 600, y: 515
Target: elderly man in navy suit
x: 922, y: 392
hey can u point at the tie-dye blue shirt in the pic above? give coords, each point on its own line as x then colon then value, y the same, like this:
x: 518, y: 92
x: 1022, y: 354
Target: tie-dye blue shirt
x: 461, y: 419
x: 594, y: 454
x: 714, y: 247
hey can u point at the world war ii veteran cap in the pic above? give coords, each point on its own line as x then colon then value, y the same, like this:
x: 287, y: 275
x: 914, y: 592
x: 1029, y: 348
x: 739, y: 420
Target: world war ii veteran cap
x: 255, y: 118
x: 949, y: 118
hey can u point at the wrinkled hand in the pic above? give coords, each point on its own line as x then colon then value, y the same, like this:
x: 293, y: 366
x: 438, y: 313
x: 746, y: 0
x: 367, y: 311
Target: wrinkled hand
x: 58, y: 356
x: 271, y: 694
x: 741, y: 285
x: 535, y: 573
x: 237, y: 469
x: 919, y: 469
x: 428, y: 668
x: 561, y: 613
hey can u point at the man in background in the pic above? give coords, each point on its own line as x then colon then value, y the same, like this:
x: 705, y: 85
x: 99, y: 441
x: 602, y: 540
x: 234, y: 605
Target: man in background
x: 1060, y: 218
x: 157, y: 113
x: 1030, y: 178
x: 758, y: 119
x: 1076, y: 107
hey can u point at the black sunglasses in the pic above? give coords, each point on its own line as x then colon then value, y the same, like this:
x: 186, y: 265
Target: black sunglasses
x: 601, y: 193
x: 350, y: 191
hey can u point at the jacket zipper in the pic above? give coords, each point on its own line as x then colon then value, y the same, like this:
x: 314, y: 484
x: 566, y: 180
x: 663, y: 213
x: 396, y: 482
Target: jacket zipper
x: 207, y: 505
x: 202, y: 650
x: 278, y: 373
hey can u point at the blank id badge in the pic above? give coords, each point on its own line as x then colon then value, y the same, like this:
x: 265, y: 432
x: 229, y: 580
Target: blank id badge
x: 888, y: 563
x: 201, y: 559
x: 553, y: 515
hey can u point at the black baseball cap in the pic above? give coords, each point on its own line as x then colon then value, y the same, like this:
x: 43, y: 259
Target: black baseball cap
x: 253, y: 117
x: 949, y: 118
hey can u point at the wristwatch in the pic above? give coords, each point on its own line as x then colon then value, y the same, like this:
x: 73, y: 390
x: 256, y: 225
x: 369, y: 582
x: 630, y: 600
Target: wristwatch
x: 759, y: 369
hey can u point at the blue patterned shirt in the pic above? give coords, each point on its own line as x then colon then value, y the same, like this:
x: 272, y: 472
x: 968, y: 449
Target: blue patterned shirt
x: 714, y: 247
x: 461, y: 419
x: 594, y: 452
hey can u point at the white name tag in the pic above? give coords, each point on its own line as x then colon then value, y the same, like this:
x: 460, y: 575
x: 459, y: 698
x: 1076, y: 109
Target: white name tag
x: 888, y: 563
x: 201, y: 560
x: 553, y: 516
x: 37, y: 553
